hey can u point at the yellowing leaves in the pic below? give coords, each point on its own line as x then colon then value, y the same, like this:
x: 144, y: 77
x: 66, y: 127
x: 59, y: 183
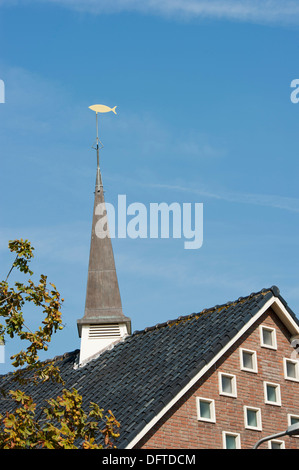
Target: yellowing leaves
x: 63, y: 423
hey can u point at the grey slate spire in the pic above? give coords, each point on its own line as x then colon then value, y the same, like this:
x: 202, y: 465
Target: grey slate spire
x: 103, y: 321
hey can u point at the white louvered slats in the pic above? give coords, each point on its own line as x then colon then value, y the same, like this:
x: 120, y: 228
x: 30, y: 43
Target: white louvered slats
x: 104, y: 331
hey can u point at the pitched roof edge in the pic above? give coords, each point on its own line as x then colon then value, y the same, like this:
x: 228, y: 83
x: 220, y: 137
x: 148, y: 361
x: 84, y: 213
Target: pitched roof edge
x: 273, y: 300
x: 274, y: 290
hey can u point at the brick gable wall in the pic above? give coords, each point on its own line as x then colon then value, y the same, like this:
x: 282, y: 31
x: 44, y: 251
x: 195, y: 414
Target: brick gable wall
x: 180, y: 427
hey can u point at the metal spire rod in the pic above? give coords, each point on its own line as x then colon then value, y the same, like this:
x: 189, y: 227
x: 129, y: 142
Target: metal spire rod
x: 99, y: 108
x: 98, y: 140
x: 99, y: 184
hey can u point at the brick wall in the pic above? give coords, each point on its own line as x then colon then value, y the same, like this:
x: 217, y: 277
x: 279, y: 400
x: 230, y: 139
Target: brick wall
x: 180, y: 427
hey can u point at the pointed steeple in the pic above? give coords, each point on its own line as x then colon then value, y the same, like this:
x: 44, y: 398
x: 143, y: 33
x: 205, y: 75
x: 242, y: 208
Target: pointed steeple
x: 103, y: 322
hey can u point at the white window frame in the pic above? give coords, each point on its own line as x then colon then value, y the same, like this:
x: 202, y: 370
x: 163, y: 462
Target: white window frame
x: 254, y: 360
x: 296, y: 363
x: 278, y: 395
x: 282, y: 443
x: 273, y: 335
x: 235, y: 435
x: 233, y: 382
x: 291, y: 415
x: 258, y: 418
x: 212, y: 419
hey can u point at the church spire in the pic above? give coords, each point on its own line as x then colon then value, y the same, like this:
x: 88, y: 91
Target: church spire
x: 103, y: 322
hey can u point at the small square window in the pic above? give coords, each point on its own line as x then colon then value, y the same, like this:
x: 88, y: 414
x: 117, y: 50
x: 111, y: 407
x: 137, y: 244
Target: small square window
x: 231, y: 440
x: 272, y: 394
x: 268, y: 337
x: 275, y: 444
x: 291, y: 369
x: 227, y: 384
x: 248, y: 360
x: 205, y: 409
x: 252, y: 417
x: 293, y: 419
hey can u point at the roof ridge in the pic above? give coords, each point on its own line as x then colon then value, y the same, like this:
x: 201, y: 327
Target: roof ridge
x: 274, y: 289
x: 64, y: 355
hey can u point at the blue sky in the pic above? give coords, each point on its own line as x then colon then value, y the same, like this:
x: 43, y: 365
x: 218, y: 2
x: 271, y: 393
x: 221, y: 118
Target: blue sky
x: 204, y: 114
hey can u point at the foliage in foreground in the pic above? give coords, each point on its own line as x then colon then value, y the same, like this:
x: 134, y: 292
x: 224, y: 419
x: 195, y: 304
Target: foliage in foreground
x: 62, y: 423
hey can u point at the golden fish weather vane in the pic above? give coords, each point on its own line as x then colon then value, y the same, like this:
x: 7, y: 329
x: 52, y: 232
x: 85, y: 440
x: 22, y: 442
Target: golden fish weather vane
x: 100, y: 108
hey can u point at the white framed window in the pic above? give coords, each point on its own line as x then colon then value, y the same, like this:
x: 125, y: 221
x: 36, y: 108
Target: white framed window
x: 291, y: 369
x: 252, y: 418
x: 268, y: 337
x: 272, y: 393
x: 205, y: 409
x: 276, y: 444
x: 231, y: 440
x: 227, y: 384
x: 248, y: 360
x: 293, y: 419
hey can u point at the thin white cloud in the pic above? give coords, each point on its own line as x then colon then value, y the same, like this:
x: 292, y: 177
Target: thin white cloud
x: 50, y: 241
x: 39, y: 107
x: 268, y: 200
x: 256, y: 11
x: 33, y: 103
x: 29, y: 94
x: 154, y: 137
x: 275, y: 201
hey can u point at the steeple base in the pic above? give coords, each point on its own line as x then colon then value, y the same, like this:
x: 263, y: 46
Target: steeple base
x: 96, y: 337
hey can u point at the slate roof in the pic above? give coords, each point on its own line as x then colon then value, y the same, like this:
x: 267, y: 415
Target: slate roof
x: 140, y: 375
